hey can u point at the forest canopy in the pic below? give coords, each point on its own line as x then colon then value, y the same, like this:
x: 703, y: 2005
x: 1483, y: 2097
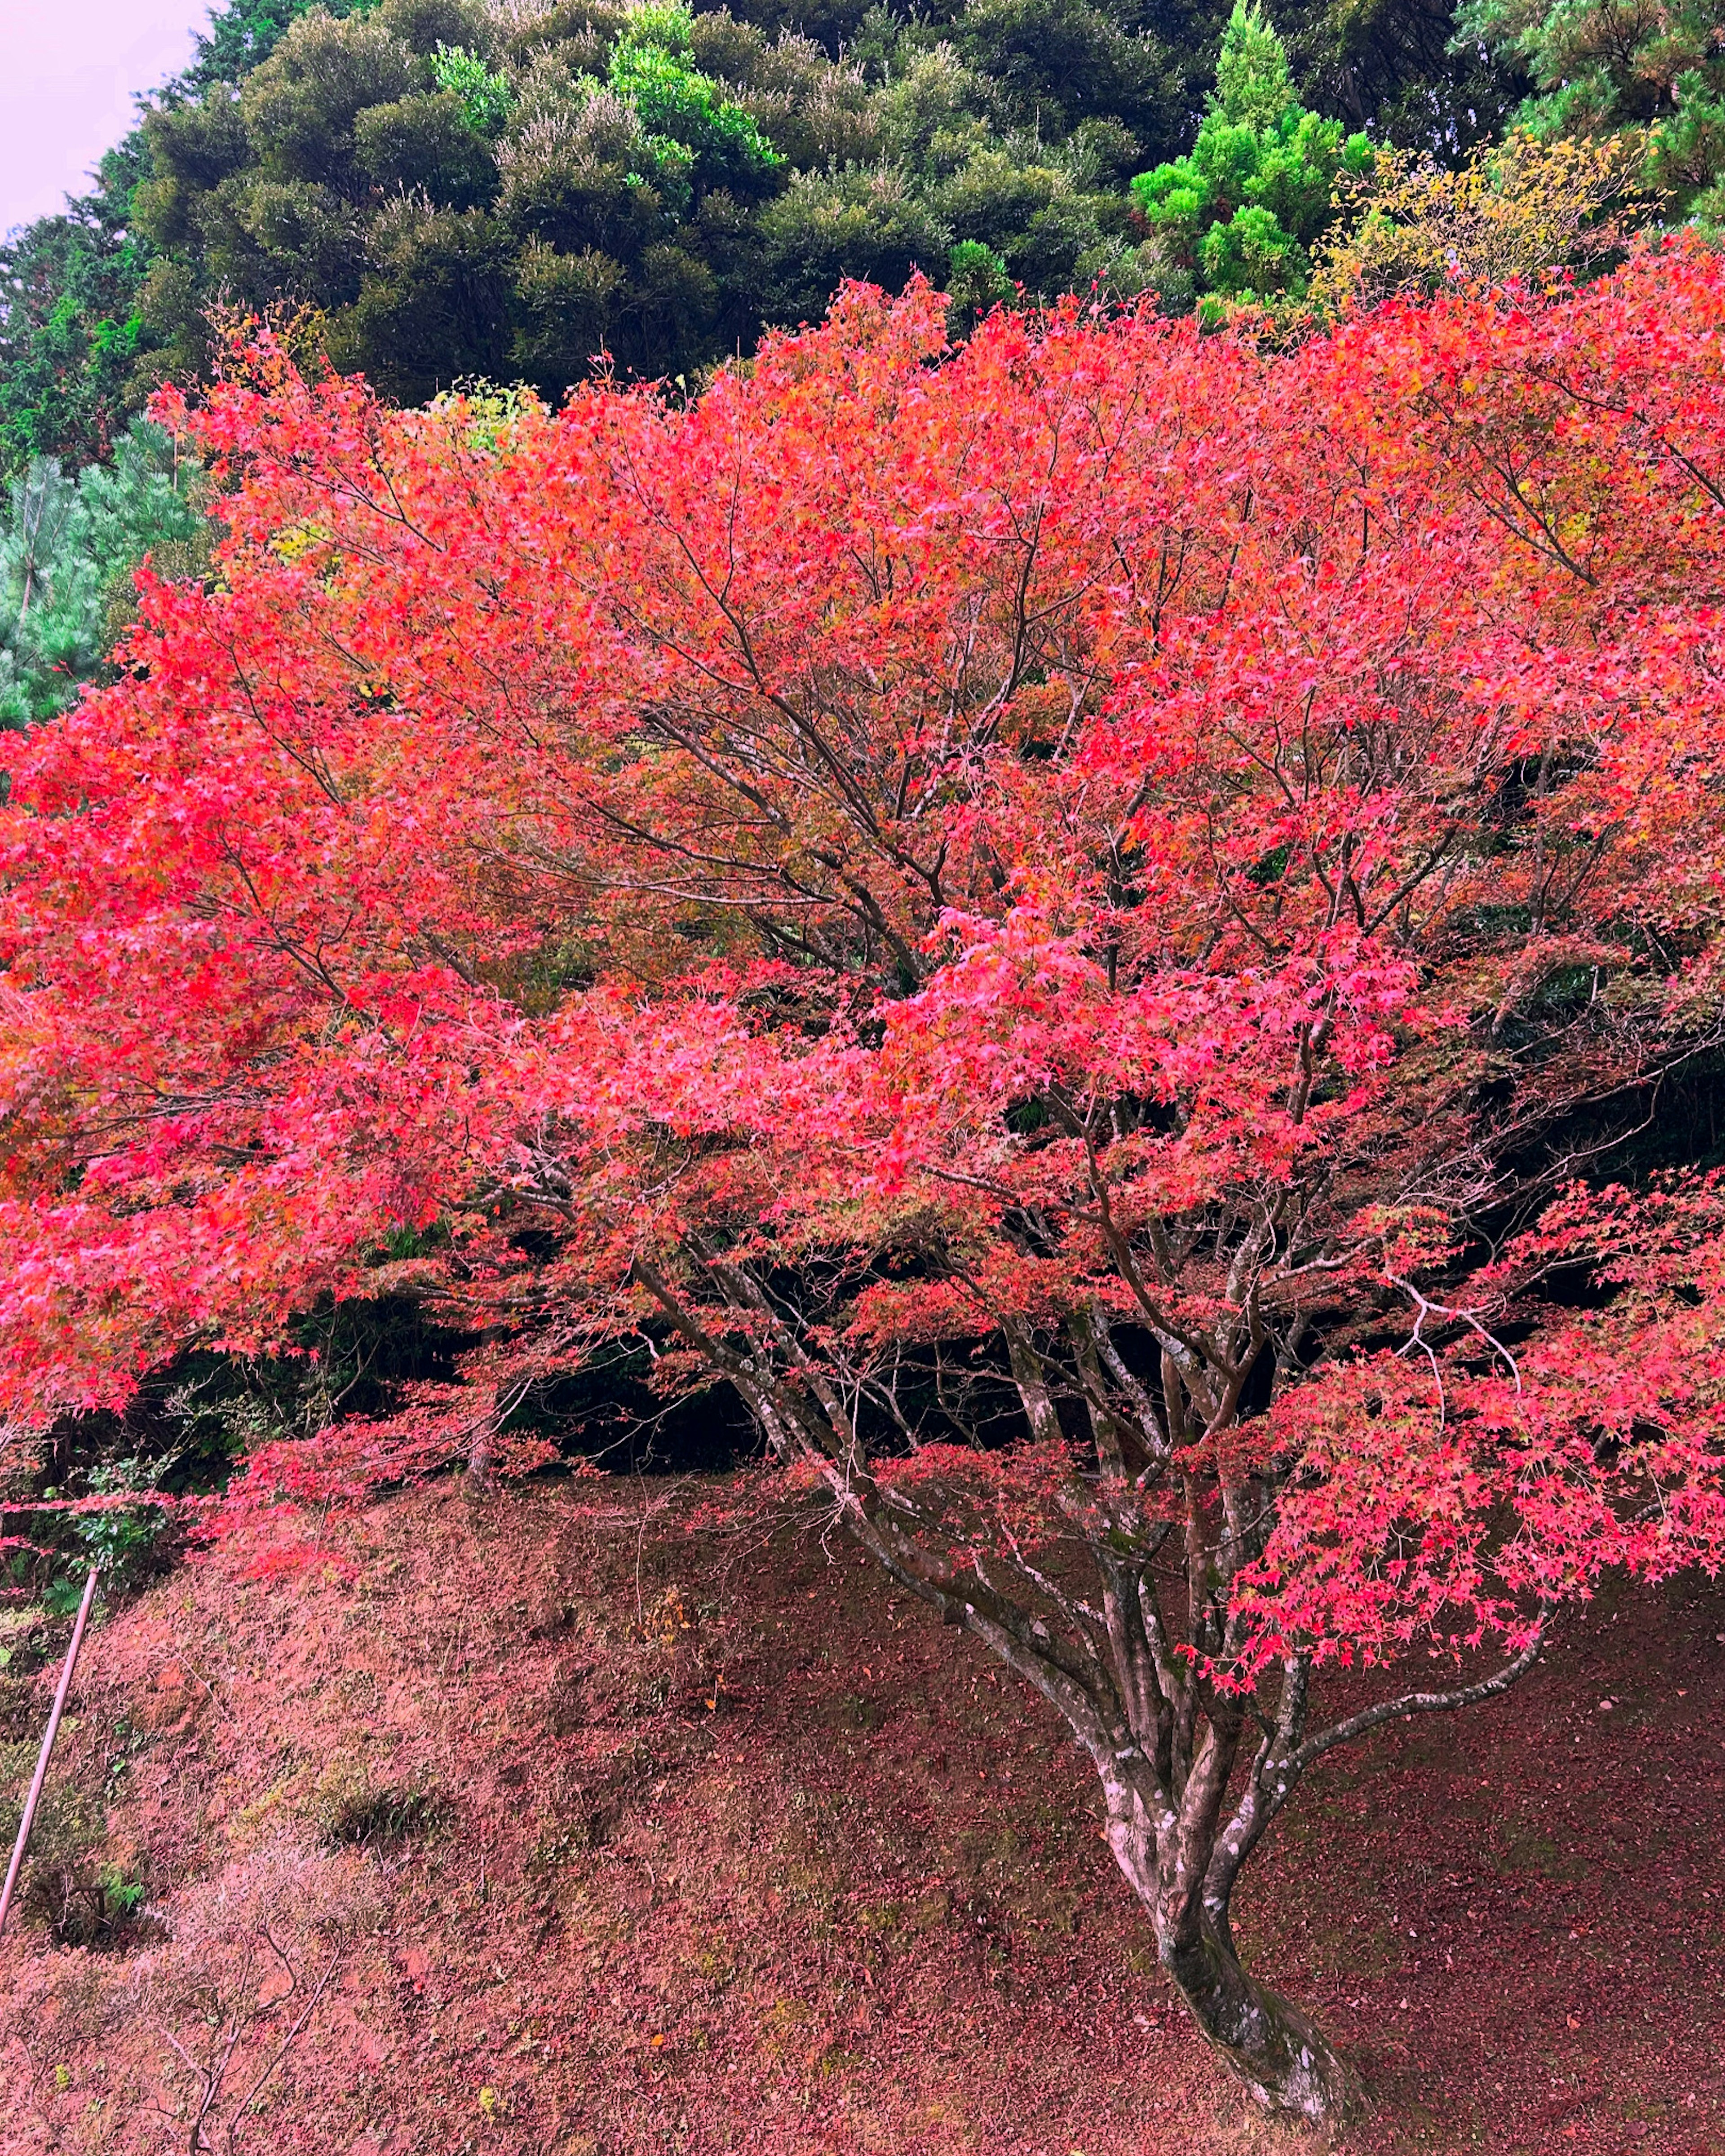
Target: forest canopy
x: 445, y: 189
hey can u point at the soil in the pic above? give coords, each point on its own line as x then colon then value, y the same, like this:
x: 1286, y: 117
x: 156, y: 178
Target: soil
x: 546, y: 1823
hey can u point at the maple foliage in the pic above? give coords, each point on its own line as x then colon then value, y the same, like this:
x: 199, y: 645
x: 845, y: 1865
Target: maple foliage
x: 1092, y: 923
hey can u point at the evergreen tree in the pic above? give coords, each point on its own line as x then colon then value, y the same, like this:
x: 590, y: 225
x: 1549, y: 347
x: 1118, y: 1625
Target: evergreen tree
x: 72, y: 336
x: 1653, y: 75
x: 69, y: 549
x: 1398, y: 67
x: 464, y: 188
x: 1235, y: 221
x: 244, y: 33
x: 78, y: 348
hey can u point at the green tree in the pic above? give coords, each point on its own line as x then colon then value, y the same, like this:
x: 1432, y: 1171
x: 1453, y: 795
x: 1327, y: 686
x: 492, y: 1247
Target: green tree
x: 244, y: 33
x: 484, y: 99
x: 69, y: 549
x: 1398, y: 67
x: 72, y: 334
x: 976, y: 283
x: 82, y: 338
x: 868, y: 222
x: 1654, y: 74
x: 1235, y: 220
x: 1052, y: 64
x: 652, y: 69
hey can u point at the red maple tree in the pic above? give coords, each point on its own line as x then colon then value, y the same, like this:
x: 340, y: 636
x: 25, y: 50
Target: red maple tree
x: 1113, y: 929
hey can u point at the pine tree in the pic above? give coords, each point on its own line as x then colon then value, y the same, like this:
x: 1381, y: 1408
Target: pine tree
x: 68, y: 553
x: 1655, y: 76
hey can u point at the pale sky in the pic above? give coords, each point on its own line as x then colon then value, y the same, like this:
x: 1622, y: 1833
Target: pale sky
x: 69, y: 71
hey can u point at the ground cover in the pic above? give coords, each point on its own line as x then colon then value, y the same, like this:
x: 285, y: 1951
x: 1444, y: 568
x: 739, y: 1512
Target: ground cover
x: 554, y: 1827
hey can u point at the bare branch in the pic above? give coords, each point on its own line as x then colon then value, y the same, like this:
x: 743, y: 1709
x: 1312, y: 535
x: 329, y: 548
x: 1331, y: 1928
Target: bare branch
x: 1423, y: 1702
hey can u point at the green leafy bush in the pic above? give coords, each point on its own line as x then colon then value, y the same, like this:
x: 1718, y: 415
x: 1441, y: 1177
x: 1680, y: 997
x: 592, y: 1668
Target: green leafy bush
x: 651, y: 68
x: 976, y: 282
x: 485, y: 99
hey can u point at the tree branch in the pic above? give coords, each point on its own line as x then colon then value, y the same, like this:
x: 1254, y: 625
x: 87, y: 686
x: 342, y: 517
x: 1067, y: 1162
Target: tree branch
x: 1422, y: 1702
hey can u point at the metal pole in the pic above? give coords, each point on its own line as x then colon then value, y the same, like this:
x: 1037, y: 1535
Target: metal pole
x: 53, y: 1724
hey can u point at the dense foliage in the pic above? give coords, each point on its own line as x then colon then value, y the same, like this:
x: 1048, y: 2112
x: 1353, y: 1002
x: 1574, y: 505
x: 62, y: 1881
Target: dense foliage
x: 68, y: 549
x: 1237, y: 217
x: 447, y: 188
x: 1061, y: 923
x: 1539, y: 213
x: 73, y: 346
x: 77, y: 355
x: 434, y: 189
x: 1654, y: 76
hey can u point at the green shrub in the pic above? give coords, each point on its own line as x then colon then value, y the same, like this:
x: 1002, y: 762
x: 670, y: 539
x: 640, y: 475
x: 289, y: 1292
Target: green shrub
x: 485, y: 99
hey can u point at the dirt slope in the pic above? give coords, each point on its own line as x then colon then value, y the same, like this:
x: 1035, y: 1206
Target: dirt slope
x: 555, y: 1828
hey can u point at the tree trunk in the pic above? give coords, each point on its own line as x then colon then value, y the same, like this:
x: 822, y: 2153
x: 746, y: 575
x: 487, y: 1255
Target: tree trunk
x: 482, y: 1440
x: 1276, y: 2053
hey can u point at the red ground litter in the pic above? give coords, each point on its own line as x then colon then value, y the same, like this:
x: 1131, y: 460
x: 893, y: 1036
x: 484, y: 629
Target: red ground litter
x: 613, y: 1838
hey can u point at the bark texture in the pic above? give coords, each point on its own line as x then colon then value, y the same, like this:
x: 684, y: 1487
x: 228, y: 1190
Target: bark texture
x: 1276, y: 2052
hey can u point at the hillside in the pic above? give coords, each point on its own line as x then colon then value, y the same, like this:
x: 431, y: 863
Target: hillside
x: 612, y: 1837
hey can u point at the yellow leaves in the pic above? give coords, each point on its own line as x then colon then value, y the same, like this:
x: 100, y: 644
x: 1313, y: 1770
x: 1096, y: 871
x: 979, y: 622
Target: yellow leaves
x: 294, y: 541
x: 669, y: 1617
x: 1523, y: 209
x: 484, y: 418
